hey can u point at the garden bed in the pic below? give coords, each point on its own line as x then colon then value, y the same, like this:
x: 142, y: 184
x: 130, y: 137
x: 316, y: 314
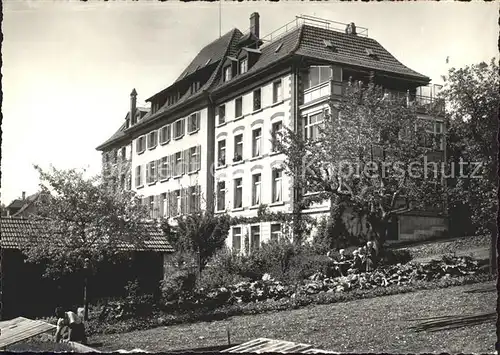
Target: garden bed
x: 270, y: 295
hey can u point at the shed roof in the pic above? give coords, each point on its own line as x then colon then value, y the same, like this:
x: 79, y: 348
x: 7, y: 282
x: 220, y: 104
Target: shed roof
x: 17, y: 231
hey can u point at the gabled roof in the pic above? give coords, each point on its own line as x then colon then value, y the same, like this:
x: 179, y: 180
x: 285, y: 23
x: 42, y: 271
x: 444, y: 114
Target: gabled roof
x: 351, y: 49
x: 120, y: 133
x: 30, y: 200
x: 214, y: 52
x: 17, y: 203
x: 234, y: 36
x: 268, y: 56
x: 17, y: 231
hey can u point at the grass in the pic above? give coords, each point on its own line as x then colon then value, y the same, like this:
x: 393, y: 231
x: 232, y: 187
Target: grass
x: 381, y: 324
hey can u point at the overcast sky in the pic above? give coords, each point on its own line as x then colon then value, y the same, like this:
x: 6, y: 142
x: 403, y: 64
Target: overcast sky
x: 69, y: 67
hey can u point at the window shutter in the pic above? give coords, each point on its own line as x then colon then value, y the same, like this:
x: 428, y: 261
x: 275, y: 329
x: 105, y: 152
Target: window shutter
x: 147, y: 173
x: 160, y: 206
x: 169, y: 166
x: 183, y: 126
x: 198, y: 198
x: 157, y: 169
x: 198, y: 157
x: 198, y: 115
x: 183, y: 201
x: 155, y: 206
x: 185, y: 161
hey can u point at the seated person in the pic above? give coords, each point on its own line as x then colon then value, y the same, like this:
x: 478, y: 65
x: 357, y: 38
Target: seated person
x: 71, y: 325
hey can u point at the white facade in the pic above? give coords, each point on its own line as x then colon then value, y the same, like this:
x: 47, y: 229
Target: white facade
x: 191, y: 172
x: 249, y: 137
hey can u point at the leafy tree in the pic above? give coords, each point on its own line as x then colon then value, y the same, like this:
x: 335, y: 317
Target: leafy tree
x: 472, y: 96
x: 197, y: 236
x: 369, y: 154
x: 81, y: 219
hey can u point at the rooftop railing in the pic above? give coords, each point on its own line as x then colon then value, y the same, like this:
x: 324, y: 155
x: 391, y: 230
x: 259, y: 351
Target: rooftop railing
x: 310, y: 21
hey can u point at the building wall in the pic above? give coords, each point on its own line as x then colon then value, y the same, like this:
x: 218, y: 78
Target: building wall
x: 198, y: 138
x: 265, y: 163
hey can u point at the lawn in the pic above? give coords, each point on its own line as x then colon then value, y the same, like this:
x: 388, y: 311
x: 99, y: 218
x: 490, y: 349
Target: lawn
x: 380, y: 324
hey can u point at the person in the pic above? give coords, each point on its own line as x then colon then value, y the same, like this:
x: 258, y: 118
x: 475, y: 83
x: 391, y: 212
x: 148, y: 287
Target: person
x: 357, y: 262
x: 370, y: 256
x: 70, y: 325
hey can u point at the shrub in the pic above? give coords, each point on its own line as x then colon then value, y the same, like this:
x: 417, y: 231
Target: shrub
x: 395, y: 256
x: 179, y: 284
x: 306, y: 263
x: 224, y: 269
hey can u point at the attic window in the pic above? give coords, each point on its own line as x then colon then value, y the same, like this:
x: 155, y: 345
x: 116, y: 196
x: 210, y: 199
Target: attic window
x: 278, y: 48
x: 328, y: 44
x: 208, y: 61
x: 370, y: 52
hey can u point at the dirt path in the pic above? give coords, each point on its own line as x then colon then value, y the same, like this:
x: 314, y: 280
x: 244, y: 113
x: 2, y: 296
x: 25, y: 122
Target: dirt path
x: 382, y: 324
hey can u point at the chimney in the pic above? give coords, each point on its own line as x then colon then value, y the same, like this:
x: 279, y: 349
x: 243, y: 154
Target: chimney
x: 351, y: 29
x: 254, y: 24
x: 133, y: 106
x: 24, y: 195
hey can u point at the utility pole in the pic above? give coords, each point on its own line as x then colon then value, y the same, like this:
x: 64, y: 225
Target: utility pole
x: 220, y: 18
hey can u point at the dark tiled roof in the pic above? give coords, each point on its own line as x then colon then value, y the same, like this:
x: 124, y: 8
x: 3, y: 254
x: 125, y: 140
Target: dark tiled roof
x: 17, y: 203
x: 269, y: 56
x: 351, y: 49
x: 27, y: 203
x: 235, y: 35
x: 120, y: 133
x: 214, y: 52
x: 16, y: 231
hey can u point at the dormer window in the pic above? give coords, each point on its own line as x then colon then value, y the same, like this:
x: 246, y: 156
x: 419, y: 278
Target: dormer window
x: 243, y: 66
x: 328, y: 44
x: 370, y: 53
x: 227, y: 73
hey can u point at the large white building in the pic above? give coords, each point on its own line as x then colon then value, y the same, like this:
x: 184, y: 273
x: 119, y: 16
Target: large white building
x: 208, y: 140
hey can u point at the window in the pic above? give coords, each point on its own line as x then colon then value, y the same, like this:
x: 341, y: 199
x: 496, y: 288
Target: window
x: 243, y: 66
x: 276, y: 134
x: 221, y: 152
x: 123, y: 153
x: 316, y: 76
x: 277, y: 91
x: 194, y: 158
x: 276, y: 231
x: 179, y: 129
x: 164, y: 205
x: 277, y: 185
x: 177, y: 202
x: 237, y: 238
x: 165, y: 134
x: 178, y: 164
x: 254, y: 237
x: 311, y: 125
x: 221, y: 196
x: 238, y: 193
x: 238, y: 148
x: 227, y: 73
x: 256, y: 100
x: 256, y: 189
x: 138, y: 176
x: 140, y: 144
x: 221, y: 111
x: 256, y: 142
x: 238, y: 107
x: 122, y: 181
x: 152, y: 139
x: 164, y: 170
x: 151, y: 172
x: 115, y: 156
x: 194, y: 199
x: 151, y: 206
x: 194, y: 122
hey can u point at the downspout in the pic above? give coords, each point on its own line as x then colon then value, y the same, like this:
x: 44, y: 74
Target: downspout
x: 210, y: 178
